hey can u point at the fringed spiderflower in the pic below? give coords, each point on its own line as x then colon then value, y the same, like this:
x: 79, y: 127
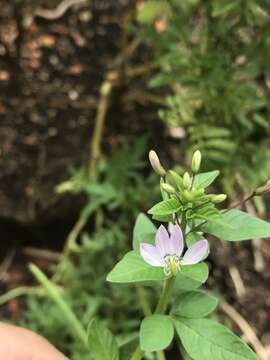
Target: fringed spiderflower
x: 168, y: 250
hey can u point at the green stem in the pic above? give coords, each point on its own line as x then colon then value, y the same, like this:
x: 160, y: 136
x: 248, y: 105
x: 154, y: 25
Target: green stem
x: 19, y: 291
x: 138, y: 354
x: 160, y: 309
x: 160, y: 355
x: 165, y: 296
x: 57, y: 297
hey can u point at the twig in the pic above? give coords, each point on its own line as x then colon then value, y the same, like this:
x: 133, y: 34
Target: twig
x: 6, y: 264
x: 105, y: 92
x: 259, y: 263
x: 42, y: 254
x: 60, y: 10
x: 246, y: 329
x: 242, y: 201
x: 237, y: 281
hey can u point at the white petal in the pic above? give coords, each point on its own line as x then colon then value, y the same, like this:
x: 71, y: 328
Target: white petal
x: 151, y: 255
x: 195, y: 253
x: 162, y: 241
x: 176, y: 240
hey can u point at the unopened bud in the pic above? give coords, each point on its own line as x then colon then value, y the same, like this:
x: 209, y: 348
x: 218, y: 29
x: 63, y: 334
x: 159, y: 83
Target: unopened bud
x: 155, y: 163
x: 186, y: 180
x: 188, y: 196
x: 168, y: 188
x: 196, y: 161
x: 263, y: 189
x: 216, y: 199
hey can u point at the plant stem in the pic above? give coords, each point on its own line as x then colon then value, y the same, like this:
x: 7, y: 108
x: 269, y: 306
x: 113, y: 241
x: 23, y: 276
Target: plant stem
x: 54, y: 293
x: 138, y: 354
x: 160, y: 355
x: 165, y: 296
x: 160, y: 309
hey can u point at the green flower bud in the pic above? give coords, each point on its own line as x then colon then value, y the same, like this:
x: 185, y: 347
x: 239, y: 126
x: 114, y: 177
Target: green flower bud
x: 186, y: 180
x: 168, y: 188
x: 216, y: 199
x: 196, y: 161
x: 188, y: 196
x: 155, y: 163
x: 261, y: 190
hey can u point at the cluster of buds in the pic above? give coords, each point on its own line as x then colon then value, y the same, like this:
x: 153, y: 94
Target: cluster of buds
x: 184, y: 187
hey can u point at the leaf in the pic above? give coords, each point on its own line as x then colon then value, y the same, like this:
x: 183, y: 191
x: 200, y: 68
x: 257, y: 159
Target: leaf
x: 207, y: 213
x: 165, y: 207
x: 156, y: 332
x: 203, y: 180
x: 191, y: 276
x: 102, y: 343
x: 236, y: 225
x: 143, y: 226
x: 195, y: 304
x: 132, y: 268
x: 192, y: 238
x: 205, y: 339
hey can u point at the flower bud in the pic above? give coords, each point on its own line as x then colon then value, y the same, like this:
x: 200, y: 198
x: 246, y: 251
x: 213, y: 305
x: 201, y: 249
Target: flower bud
x: 196, y: 161
x: 263, y: 189
x: 216, y: 199
x: 155, y: 163
x: 188, y: 196
x: 168, y: 188
x: 186, y: 180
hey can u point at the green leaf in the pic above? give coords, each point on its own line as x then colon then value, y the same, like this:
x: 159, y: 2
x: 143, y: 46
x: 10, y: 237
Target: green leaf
x: 191, y: 276
x: 143, y: 228
x: 205, y: 179
x: 102, y: 343
x: 192, y: 238
x: 165, y: 207
x: 205, y: 339
x: 236, y: 225
x: 132, y: 268
x: 195, y: 304
x: 156, y: 332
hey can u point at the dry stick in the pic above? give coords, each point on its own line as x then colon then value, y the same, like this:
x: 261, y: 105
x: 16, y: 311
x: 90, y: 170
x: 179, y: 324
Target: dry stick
x: 259, y: 263
x: 246, y: 329
x: 43, y: 254
x: 6, y: 264
x: 95, y: 147
x: 237, y: 281
x: 60, y: 10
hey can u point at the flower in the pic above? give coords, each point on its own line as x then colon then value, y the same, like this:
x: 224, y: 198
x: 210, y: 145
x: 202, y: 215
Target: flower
x: 168, y: 249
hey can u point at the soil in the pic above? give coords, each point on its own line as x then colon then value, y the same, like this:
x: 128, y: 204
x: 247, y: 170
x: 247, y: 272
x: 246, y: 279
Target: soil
x: 50, y: 77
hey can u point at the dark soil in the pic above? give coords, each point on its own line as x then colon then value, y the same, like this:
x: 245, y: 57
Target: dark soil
x: 50, y: 77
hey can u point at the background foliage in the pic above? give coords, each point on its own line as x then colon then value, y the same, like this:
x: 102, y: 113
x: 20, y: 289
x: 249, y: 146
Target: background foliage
x: 213, y: 59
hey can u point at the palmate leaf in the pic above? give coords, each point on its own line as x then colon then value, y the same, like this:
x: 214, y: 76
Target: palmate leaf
x: 132, y: 268
x: 205, y: 339
x: 236, y: 225
x: 156, y: 332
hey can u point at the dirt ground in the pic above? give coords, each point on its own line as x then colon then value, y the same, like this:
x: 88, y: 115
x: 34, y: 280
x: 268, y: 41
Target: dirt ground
x: 50, y: 77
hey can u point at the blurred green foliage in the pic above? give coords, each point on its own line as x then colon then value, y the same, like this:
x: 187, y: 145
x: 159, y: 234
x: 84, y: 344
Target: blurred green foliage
x: 119, y: 193
x: 213, y: 58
